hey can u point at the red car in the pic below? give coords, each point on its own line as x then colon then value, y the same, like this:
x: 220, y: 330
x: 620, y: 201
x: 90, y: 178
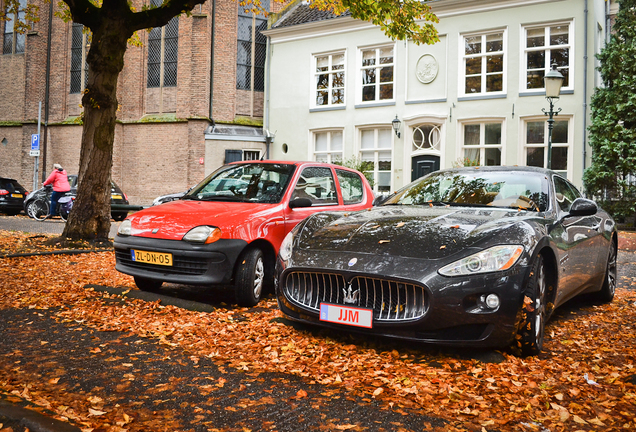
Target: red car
x: 228, y: 229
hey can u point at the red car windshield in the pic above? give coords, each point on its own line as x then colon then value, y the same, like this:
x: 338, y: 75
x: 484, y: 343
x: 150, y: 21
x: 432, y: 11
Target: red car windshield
x: 252, y: 182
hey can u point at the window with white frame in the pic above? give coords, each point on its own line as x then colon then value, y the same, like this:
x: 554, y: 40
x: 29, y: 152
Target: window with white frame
x: 329, y: 79
x: 536, y: 144
x: 13, y: 41
x: 79, y: 66
x: 482, y: 143
x: 483, y: 63
x: 544, y: 46
x: 376, y: 71
x: 328, y: 146
x: 163, y: 53
x: 251, y: 155
x: 376, y: 150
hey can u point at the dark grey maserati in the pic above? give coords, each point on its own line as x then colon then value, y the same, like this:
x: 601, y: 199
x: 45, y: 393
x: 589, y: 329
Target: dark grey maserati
x: 476, y: 256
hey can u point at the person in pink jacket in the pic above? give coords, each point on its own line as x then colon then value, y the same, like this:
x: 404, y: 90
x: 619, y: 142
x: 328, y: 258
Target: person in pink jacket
x: 59, y: 180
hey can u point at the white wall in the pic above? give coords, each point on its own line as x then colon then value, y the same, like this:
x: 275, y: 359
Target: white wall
x: 291, y: 83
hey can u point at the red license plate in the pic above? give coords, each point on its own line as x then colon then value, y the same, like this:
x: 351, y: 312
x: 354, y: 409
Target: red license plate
x: 347, y: 315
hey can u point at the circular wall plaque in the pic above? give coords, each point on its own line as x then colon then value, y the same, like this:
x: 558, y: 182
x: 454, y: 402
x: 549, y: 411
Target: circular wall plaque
x: 426, y: 69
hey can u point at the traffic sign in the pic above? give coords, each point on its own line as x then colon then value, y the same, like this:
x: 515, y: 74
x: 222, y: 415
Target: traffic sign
x: 35, y: 143
x: 34, y: 153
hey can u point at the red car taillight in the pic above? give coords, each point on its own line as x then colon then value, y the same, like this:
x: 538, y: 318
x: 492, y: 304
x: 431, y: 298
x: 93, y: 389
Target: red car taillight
x: 4, y: 192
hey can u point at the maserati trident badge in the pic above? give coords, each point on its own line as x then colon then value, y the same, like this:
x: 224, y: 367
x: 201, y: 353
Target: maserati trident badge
x: 350, y: 296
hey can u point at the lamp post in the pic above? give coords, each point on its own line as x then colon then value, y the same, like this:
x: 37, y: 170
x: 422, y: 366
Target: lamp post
x: 553, y: 81
x: 396, y: 125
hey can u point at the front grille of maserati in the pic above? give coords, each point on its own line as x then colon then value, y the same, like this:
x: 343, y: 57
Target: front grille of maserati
x: 391, y: 300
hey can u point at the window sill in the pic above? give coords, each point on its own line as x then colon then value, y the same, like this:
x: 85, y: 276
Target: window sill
x: 375, y: 104
x: 327, y: 108
x: 482, y: 97
x: 423, y: 101
x: 542, y: 93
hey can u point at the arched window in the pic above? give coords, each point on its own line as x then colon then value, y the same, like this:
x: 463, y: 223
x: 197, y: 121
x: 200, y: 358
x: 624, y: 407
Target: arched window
x: 13, y: 42
x: 163, y: 53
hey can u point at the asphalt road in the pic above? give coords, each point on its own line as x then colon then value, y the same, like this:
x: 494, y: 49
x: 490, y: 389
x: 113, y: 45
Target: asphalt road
x: 49, y: 226
x: 161, y: 387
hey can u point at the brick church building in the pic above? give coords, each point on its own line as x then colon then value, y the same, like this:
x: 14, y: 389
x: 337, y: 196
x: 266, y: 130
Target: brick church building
x: 191, y: 98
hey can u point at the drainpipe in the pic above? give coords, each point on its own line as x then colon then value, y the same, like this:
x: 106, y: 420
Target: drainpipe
x: 268, y: 135
x: 585, y: 60
x: 212, y: 59
x: 47, y: 86
x: 607, y: 21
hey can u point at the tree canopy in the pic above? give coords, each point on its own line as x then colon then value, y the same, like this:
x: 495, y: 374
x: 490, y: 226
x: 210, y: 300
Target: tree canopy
x: 612, y: 133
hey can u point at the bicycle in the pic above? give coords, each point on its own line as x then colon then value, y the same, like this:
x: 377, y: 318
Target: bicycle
x: 38, y: 209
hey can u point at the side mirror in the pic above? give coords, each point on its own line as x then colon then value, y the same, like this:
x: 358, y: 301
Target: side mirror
x: 300, y: 202
x: 380, y: 199
x: 583, y: 207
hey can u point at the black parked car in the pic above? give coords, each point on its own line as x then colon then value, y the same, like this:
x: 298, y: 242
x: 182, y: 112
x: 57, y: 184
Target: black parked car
x: 12, y: 196
x: 471, y: 257
x: 117, y: 196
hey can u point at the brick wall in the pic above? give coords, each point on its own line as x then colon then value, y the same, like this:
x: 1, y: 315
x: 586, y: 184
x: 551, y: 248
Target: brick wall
x: 149, y: 159
x: 12, y: 83
x: 224, y: 90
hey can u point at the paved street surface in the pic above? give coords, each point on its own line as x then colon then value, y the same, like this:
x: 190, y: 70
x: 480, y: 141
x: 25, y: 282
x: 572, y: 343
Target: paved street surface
x: 162, y: 389
x: 49, y: 226
x: 145, y: 384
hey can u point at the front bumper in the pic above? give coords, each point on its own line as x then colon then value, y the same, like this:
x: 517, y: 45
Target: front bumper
x: 452, y: 310
x: 193, y: 264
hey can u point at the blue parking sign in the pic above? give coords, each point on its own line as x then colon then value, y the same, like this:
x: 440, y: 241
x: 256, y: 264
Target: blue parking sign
x: 35, y: 141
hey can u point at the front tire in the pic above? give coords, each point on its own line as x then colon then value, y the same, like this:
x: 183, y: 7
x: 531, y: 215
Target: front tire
x: 250, y: 278
x: 118, y: 217
x: 146, y: 284
x: 529, y: 338
x: 608, y: 289
x: 37, y: 209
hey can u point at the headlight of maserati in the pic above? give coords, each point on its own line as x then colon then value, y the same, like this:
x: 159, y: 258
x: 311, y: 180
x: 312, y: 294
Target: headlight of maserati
x: 203, y: 234
x: 286, y: 247
x: 125, y: 228
x: 496, y: 258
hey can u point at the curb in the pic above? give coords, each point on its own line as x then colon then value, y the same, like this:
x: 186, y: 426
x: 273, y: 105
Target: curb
x: 60, y: 252
x: 33, y: 420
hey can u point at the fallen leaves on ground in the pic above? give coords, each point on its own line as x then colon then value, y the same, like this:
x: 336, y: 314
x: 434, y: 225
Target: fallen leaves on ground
x: 13, y: 243
x: 548, y: 392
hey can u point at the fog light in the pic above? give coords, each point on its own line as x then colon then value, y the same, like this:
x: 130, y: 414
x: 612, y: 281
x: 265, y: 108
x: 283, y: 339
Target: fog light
x: 492, y: 301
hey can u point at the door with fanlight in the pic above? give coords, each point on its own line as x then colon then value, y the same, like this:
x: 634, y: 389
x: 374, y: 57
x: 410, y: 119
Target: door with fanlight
x: 425, y: 152
x: 423, y: 165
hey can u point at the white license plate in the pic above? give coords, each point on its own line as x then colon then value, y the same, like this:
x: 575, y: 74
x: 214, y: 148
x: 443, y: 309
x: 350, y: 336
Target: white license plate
x: 346, y: 315
x: 158, y: 258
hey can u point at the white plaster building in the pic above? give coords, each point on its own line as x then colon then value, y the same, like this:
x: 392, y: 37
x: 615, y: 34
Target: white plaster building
x: 334, y: 85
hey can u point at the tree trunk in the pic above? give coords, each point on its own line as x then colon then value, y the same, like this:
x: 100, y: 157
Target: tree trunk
x: 90, y: 218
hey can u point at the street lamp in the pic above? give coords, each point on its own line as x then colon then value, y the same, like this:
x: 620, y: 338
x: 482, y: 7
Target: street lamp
x: 553, y: 81
x: 396, y: 125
